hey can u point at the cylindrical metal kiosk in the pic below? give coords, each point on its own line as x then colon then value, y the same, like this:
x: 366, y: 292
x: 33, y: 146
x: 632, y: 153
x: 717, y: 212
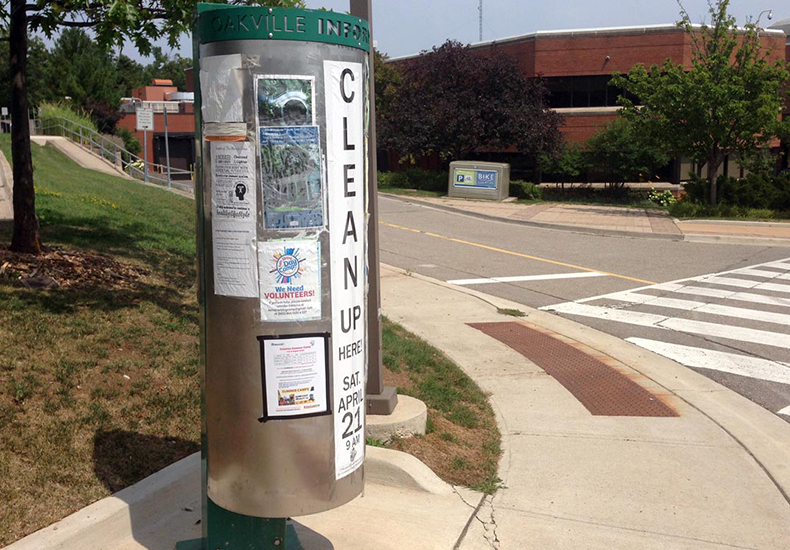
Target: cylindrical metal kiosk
x: 282, y: 121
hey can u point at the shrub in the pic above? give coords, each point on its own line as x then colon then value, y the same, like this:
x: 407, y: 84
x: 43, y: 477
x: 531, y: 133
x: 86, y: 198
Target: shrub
x: 525, y: 190
x: 415, y: 178
x: 56, y: 113
x: 662, y: 198
x: 755, y: 191
x: 130, y: 141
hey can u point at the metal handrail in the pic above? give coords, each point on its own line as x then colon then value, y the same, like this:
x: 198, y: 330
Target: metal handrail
x: 131, y: 164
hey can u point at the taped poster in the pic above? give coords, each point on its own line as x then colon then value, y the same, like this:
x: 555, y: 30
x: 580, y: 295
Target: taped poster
x: 233, y: 219
x: 222, y: 87
x: 290, y: 280
x: 291, y: 175
x: 346, y: 178
x: 295, y: 370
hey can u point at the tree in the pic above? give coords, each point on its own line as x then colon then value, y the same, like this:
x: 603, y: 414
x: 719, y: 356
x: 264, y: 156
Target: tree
x: 387, y: 84
x: 729, y: 100
x: 620, y: 153
x: 568, y: 162
x: 112, y: 22
x: 454, y: 101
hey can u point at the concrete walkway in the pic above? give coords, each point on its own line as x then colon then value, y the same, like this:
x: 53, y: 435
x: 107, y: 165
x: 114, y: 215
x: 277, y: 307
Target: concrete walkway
x: 714, y: 476
x: 81, y: 156
x: 614, y: 220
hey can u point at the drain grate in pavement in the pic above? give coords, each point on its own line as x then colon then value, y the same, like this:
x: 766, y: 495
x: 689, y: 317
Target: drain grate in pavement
x: 601, y: 388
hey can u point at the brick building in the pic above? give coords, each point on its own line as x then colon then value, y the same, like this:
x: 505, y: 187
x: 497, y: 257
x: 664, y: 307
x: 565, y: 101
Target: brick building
x: 162, y: 96
x: 577, y: 66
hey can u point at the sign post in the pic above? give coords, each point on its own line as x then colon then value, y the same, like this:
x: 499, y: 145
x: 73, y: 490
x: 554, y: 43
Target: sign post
x: 283, y: 111
x: 167, y: 148
x: 145, y: 122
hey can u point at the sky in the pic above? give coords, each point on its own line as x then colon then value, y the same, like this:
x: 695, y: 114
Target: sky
x: 404, y: 27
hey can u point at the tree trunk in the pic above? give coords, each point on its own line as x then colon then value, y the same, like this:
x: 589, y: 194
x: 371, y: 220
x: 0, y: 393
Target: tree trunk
x: 714, y: 161
x: 26, y: 236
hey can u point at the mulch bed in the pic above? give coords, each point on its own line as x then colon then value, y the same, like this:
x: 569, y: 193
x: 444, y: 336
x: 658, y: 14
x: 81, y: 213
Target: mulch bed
x: 59, y: 268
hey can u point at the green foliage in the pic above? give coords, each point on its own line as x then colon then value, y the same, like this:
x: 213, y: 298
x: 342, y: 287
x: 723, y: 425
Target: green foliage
x: 689, y: 209
x: 525, y: 190
x: 82, y: 70
x: 619, y: 153
x: 130, y: 141
x: 38, y: 76
x: 755, y: 191
x: 729, y: 101
x: 414, y: 178
x: 662, y: 198
x: 56, y: 111
x: 387, y: 81
x: 566, y: 165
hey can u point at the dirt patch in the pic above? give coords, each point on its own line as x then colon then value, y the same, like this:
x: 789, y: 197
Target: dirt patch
x: 60, y: 268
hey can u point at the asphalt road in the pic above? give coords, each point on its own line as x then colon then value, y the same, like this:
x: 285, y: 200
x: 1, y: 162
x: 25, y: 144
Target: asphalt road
x: 721, y: 309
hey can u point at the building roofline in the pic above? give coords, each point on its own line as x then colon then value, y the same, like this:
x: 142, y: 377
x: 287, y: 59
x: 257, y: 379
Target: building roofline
x: 594, y: 31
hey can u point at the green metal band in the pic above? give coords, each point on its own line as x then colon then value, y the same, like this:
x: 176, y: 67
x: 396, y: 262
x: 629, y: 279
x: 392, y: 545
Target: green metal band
x: 219, y: 22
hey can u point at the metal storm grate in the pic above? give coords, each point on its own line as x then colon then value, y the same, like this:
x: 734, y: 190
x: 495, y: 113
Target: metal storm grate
x: 602, y: 389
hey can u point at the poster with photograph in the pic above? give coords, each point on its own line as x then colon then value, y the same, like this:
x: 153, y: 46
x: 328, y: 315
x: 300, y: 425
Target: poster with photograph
x: 295, y: 374
x: 290, y: 151
x: 291, y: 178
x: 285, y: 100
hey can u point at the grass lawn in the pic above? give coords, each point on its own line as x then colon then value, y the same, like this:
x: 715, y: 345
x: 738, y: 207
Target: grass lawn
x: 99, y: 381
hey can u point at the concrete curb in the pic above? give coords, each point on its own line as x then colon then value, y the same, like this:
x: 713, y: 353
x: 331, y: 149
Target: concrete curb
x: 764, y: 436
x: 409, y: 418
x: 111, y: 518
x: 540, y: 225
x: 734, y: 239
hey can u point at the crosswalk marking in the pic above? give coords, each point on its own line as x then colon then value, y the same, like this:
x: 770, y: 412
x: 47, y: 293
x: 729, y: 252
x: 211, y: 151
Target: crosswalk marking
x: 516, y: 279
x: 732, y: 363
x: 763, y: 273
x: 745, y: 283
x: 691, y: 326
x: 699, y: 307
x: 703, y: 307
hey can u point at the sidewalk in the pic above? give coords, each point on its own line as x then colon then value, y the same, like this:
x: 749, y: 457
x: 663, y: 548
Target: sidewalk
x: 691, y: 466
x: 615, y: 220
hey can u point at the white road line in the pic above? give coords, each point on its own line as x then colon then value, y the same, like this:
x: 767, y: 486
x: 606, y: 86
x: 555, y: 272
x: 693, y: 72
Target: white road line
x: 526, y: 278
x: 782, y: 264
x: 763, y: 273
x: 703, y: 307
x: 743, y: 283
x: 752, y: 367
x: 785, y: 411
x: 690, y: 326
x: 718, y: 293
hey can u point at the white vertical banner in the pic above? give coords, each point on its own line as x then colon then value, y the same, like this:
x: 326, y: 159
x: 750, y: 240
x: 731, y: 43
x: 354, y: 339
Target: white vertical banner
x: 346, y: 179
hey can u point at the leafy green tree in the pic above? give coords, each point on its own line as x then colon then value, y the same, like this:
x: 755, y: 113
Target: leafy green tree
x: 38, y: 68
x: 387, y: 80
x: 112, y: 22
x: 729, y: 100
x: 567, y: 164
x: 172, y: 68
x: 620, y: 153
x: 82, y: 70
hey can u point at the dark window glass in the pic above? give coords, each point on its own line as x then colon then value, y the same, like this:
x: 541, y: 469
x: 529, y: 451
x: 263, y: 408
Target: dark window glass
x: 581, y: 91
x: 598, y: 90
x: 559, y: 91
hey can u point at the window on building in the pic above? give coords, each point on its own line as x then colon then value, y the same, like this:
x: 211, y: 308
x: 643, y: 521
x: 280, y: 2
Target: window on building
x: 582, y: 91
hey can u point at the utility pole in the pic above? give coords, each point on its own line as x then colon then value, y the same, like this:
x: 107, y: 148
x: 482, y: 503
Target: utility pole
x: 480, y: 9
